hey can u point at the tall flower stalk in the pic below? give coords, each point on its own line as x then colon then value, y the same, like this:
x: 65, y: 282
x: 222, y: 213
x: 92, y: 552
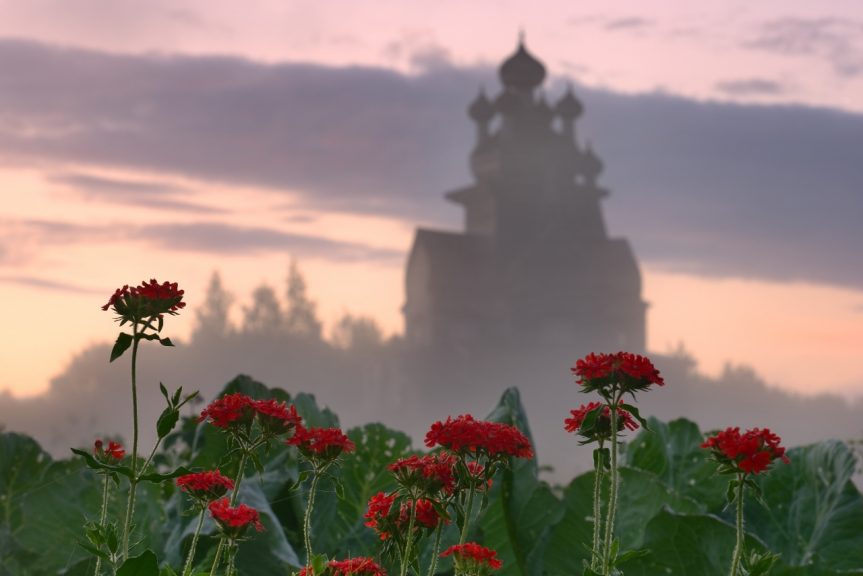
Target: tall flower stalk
x: 611, y: 376
x: 249, y: 424
x: 321, y: 448
x: 144, y: 308
x: 745, y: 456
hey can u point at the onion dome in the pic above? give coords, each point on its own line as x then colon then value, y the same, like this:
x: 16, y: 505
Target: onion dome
x: 568, y: 106
x: 481, y: 109
x: 521, y: 70
x: 591, y: 163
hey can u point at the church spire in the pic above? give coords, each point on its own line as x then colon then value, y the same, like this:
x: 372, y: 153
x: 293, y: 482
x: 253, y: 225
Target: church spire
x: 521, y: 71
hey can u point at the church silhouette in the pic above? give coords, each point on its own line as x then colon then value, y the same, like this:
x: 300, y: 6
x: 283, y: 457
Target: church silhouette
x: 535, y: 262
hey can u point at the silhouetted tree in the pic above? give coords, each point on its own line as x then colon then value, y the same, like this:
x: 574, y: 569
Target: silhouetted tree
x: 264, y: 316
x: 358, y: 333
x: 213, y: 317
x: 301, y: 318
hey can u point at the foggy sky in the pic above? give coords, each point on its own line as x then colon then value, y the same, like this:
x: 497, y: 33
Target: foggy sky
x: 707, y: 188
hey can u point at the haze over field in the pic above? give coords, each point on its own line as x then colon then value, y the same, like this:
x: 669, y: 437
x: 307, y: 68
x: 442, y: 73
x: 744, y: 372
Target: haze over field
x: 172, y: 139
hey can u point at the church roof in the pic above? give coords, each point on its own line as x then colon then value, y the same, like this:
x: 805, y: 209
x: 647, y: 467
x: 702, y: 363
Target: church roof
x: 522, y: 70
x: 459, y: 263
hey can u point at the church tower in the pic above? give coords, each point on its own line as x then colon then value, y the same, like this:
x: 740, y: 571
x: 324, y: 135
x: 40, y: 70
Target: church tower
x: 535, y: 263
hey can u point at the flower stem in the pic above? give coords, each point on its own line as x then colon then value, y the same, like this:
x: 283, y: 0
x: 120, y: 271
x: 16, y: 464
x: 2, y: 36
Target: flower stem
x: 596, y: 556
x: 133, y: 480
x: 103, y: 516
x: 237, y: 481
x: 612, y: 490
x: 467, y: 516
x: 307, y: 521
x: 406, y: 559
x: 187, y: 569
x: 436, y: 549
x: 232, y: 559
x: 218, y: 556
x: 738, y: 546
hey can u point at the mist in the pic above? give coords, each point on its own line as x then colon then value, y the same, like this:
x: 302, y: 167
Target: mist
x: 363, y: 378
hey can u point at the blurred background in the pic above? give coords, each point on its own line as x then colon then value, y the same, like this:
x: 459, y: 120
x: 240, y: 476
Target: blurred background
x: 405, y: 209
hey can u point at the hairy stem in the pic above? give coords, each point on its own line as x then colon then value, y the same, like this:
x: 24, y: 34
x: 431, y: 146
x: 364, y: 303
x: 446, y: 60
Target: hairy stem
x: 406, y: 559
x: 612, y: 490
x: 307, y: 520
x: 596, y: 555
x: 187, y: 568
x: 103, y: 516
x: 464, y: 529
x: 738, y: 545
x: 436, y: 549
x: 133, y: 481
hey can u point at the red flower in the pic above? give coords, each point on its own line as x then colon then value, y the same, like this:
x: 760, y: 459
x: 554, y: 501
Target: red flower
x: 148, y: 300
x: 377, y: 516
x: 602, y: 425
x: 466, y: 435
x: 430, y: 474
x: 234, y: 521
x: 231, y: 410
x: 113, y: 452
x: 630, y: 371
x: 320, y: 444
x: 471, y: 558
x: 749, y: 453
x: 358, y: 566
x: 426, y: 514
x: 276, y: 417
x: 205, y: 486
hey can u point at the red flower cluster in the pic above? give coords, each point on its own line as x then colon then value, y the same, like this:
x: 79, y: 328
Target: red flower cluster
x: 359, y: 566
x: 602, y: 426
x: 378, y: 513
x: 426, y: 515
x: 750, y: 453
x: 238, y: 410
x: 147, y: 300
x: 320, y: 444
x: 631, y: 371
x: 472, y: 557
x: 205, y: 486
x: 234, y: 521
x: 276, y: 417
x: 431, y: 473
x: 231, y: 410
x: 466, y: 435
x: 114, y: 451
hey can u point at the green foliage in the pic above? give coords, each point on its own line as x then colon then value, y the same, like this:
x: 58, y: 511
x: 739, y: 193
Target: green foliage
x: 672, y: 516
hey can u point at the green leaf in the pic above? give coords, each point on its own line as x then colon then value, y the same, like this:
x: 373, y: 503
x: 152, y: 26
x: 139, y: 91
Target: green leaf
x: 814, y: 512
x: 157, y: 478
x: 672, y: 452
x: 145, y: 564
x: 688, y: 545
x: 641, y: 497
x: 121, y: 345
x: 635, y: 413
x: 94, y: 464
x: 167, y: 421
x: 164, y: 392
x: 165, y: 342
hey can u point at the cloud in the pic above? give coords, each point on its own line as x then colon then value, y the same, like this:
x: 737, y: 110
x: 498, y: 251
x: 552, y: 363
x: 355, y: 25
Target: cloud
x: 832, y: 39
x: 721, y: 189
x: 750, y: 87
x: 627, y: 24
x: 141, y: 193
x: 203, y: 237
x: 218, y: 238
x: 34, y: 282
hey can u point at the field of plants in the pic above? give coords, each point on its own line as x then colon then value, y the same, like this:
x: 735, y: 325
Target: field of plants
x: 672, y: 505
x: 261, y: 482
